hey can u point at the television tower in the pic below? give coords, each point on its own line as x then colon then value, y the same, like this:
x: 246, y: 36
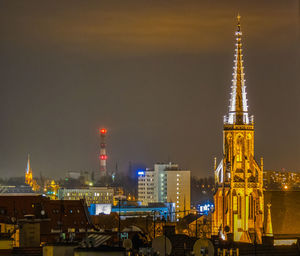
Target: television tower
x: 102, y: 156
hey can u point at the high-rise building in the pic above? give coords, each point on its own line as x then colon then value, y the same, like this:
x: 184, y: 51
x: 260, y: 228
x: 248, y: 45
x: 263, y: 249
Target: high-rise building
x: 239, y: 201
x: 179, y: 190
x: 166, y: 183
x: 146, y: 186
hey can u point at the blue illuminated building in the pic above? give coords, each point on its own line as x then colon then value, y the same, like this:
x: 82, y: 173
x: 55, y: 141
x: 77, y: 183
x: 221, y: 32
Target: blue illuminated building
x: 205, y: 209
x: 160, y: 210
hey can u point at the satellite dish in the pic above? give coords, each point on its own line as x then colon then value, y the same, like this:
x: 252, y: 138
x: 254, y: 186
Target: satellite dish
x: 162, y: 245
x: 203, y: 247
x: 127, y: 244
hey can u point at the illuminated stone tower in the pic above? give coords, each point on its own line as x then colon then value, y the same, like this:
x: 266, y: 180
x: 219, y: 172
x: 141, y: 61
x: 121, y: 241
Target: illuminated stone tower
x: 239, y: 202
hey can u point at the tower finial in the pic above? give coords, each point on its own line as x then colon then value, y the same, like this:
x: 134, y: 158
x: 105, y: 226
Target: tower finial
x: 238, y: 18
x: 28, y: 163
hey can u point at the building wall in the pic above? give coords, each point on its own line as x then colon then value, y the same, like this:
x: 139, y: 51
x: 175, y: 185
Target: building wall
x: 166, y: 183
x: 239, y: 205
x: 92, y: 195
x: 160, y: 191
x: 58, y: 250
x: 30, y: 234
x: 98, y: 253
x: 179, y: 190
x: 146, y: 187
x: 285, y: 211
x: 56, y: 215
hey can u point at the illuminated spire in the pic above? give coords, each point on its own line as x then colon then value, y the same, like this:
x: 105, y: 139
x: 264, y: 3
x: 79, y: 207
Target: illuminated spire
x: 269, y: 228
x: 28, y: 169
x: 238, y: 108
x: 28, y: 174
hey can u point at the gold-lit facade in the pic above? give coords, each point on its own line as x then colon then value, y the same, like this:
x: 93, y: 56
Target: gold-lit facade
x: 239, y: 202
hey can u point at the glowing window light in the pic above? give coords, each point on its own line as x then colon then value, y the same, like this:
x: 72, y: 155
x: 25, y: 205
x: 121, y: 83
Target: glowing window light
x: 141, y: 173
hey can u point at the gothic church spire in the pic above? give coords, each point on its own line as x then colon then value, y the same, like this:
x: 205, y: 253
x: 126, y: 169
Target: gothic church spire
x: 238, y: 108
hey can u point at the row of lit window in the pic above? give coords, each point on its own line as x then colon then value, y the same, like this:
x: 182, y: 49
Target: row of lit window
x: 88, y: 194
x: 66, y: 211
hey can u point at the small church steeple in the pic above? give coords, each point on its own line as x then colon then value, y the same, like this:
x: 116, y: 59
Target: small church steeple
x: 238, y: 108
x: 29, y: 178
x: 269, y: 228
x: 28, y: 169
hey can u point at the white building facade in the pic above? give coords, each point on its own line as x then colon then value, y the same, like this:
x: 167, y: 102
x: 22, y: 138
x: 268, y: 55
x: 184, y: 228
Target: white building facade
x: 166, y: 183
x: 146, y: 186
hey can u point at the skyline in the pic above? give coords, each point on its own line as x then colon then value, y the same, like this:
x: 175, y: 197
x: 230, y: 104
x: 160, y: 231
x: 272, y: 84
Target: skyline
x: 159, y: 82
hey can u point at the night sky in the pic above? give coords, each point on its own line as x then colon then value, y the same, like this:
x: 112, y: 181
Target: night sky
x: 156, y: 74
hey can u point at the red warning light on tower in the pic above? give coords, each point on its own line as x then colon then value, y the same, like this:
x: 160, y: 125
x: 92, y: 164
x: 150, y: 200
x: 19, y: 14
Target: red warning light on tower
x: 102, y: 153
x: 103, y: 157
x: 103, y: 131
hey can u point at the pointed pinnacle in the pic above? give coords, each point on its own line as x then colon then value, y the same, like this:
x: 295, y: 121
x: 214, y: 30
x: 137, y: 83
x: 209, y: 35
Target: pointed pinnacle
x: 238, y: 18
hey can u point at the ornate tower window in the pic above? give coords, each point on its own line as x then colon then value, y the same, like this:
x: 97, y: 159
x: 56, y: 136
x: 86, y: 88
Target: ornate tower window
x: 239, y: 206
x: 239, y: 149
x: 251, y: 206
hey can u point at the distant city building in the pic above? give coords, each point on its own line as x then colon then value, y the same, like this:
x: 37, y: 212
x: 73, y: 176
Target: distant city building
x: 84, y: 177
x: 146, y: 186
x: 91, y: 195
x: 51, y: 189
x: 202, y: 190
x: 73, y: 174
x: 166, y: 210
x: 16, y: 190
x: 166, y: 183
x: 281, y: 180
